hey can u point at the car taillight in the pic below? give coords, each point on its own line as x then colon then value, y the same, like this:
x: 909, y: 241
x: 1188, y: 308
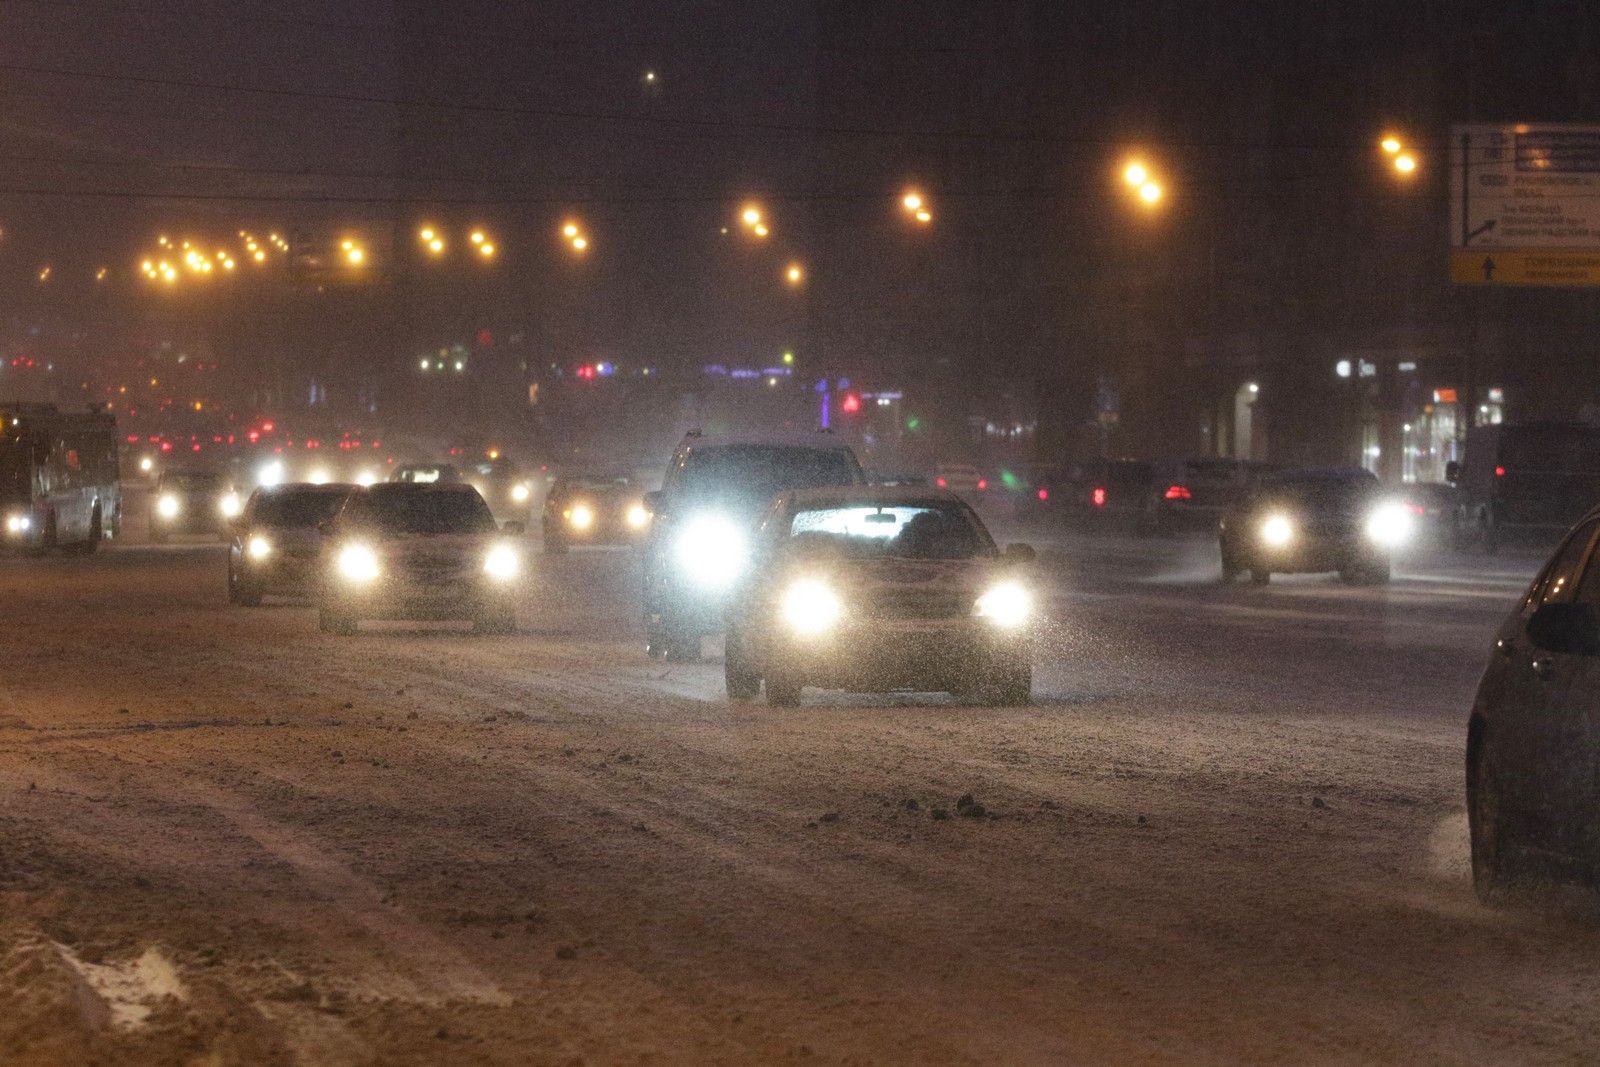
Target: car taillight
x: 983, y: 483
x: 941, y: 483
x: 1499, y: 472
x: 1416, y: 509
x: 1178, y: 492
x: 1044, y: 494
x: 1097, y: 496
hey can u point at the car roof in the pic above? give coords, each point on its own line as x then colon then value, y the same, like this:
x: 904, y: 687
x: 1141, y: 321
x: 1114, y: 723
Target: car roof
x: 396, y: 488
x: 285, y: 488
x: 820, y: 439
x: 886, y: 495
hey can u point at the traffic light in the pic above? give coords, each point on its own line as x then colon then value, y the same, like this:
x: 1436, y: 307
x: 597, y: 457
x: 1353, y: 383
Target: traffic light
x: 850, y: 403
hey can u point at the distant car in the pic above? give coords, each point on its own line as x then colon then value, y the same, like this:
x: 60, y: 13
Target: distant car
x: 193, y: 502
x: 1533, y: 757
x: 873, y: 589
x: 1107, y: 492
x: 509, y: 490
x: 1195, y: 493
x: 1434, y: 505
x: 1314, y: 520
x: 420, y: 551
x: 593, y: 510
x: 704, y: 516
x: 963, y: 479
x: 277, y: 542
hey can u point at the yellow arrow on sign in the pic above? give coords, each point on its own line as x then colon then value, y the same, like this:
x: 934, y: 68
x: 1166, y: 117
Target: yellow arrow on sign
x: 1524, y: 266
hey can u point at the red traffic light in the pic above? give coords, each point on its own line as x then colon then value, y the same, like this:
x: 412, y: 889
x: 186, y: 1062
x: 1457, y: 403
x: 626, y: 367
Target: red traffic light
x: 850, y: 404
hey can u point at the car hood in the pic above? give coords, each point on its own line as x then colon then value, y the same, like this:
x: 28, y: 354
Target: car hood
x: 434, y: 546
x: 290, y: 538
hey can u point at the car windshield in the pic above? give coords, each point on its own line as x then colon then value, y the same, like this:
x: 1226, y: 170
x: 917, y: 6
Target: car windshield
x: 890, y: 531
x: 1320, y: 494
x: 193, y: 481
x: 299, y: 507
x: 399, y: 510
x: 762, y: 471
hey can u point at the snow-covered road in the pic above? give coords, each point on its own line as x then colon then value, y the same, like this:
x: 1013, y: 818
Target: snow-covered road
x: 1230, y: 828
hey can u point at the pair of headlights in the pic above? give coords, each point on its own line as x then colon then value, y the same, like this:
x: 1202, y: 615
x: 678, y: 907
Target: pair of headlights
x: 358, y: 563
x: 810, y: 606
x: 582, y: 516
x: 18, y: 524
x: 1388, y: 526
x: 169, y: 506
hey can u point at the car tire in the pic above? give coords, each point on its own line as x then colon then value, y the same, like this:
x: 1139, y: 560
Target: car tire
x: 1230, y: 567
x: 1260, y: 575
x: 783, y: 690
x: 96, y: 532
x: 743, y: 683
x: 1494, y: 868
x: 333, y: 621
x: 673, y: 643
x: 244, y: 592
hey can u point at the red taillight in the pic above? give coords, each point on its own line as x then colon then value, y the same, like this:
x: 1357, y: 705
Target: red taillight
x: 1044, y: 494
x: 1416, y: 509
x: 941, y: 483
x: 983, y: 483
x: 1499, y: 472
x: 1098, y: 497
x: 1178, y: 492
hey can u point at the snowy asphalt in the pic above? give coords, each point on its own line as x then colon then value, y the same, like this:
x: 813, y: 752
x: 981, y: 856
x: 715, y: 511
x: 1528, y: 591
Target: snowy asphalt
x: 1230, y: 828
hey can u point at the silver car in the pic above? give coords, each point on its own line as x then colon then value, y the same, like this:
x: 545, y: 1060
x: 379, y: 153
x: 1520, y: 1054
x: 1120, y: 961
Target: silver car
x: 276, y: 545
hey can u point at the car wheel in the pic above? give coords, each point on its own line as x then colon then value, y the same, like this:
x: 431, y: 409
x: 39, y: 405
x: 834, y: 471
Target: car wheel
x: 674, y: 643
x: 743, y: 683
x: 1260, y: 576
x: 1230, y: 567
x: 1493, y: 848
x: 333, y: 621
x: 245, y: 593
x: 783, y: 690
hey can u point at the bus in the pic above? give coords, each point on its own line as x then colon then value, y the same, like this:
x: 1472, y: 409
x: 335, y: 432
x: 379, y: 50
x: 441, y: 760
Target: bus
x: 58, y: 478
x: 1529, y: 479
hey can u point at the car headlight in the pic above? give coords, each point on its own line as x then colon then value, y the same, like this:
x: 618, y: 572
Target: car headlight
x: 810, y: 607
x: 1390, y: 525
x: 638, y: 517
x: 581, y: 516
x: 520, y: 493
x: 320, y: 476
x: 270, y: 473
x: 1277, y: 531
x: 366, y: 478
x: 259, y: 547
x: 502, y: 562
x: 1006, y: 604
x: 146, y: 465
x: 168, y: 506
x: 18, y: 524
x: 230, y: 505
x: 358, y: 563
x: 711, y: 551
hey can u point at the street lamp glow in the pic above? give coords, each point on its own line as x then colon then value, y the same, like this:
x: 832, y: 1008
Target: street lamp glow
x: 426, y: 235
x: 435, y: 245
x: 1136, y: 174
x: 580, y: 243
x: 761, y: 229
x: 1390, y: 145
x: 570, y: 230
x: 924, y: 216
x: 486, y: 250
x: 795, y: 274
x: 1150, y: 193
x: 912, y: 201
x: 476, y: 237
x: 354, y: 256
x: 1405, y: 163
x: 260, y: 256
x: 751, y: 216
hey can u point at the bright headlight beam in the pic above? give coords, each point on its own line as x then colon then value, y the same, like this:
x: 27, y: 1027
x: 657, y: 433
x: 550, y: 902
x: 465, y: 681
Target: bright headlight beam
x: 1277, y: 531
x: 810, y: 607
x: 1390, y: 525
x: 259, y: 547
x: 638, y: 517
x: 358, y: 563
x: 230, y: 505
x: 502, y: 562
x: 520, y: 493
x: 271, y: 473
x: 168, y: 506
x: 711, y: 551
x: 1006, y: 604
x: 581, y: 516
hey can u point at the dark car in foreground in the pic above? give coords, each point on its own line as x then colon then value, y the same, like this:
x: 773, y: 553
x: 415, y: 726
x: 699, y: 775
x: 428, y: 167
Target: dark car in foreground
x: 277, y: 543
x: 1313, y: 521
x: 193, y: 502
x: 427, y: 552
x: 593, y: 509
x: 1533, y: 739
x: 873, y: 589
x: 704, y: 518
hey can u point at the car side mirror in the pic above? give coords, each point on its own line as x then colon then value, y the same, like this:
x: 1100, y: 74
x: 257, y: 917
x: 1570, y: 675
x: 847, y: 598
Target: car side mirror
x: 654, y: 500
x: 1569, y: 628
x: 514, y: 528
x: 1019, y: 553
x: 1452, y: 472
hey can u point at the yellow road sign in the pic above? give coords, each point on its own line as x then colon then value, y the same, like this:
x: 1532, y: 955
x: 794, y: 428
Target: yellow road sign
x: 1524, y: 266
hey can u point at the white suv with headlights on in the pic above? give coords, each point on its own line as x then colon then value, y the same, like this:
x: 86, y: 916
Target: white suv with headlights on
x: 714, y: 492
x: 420, y: 551
x: 872, y: 589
